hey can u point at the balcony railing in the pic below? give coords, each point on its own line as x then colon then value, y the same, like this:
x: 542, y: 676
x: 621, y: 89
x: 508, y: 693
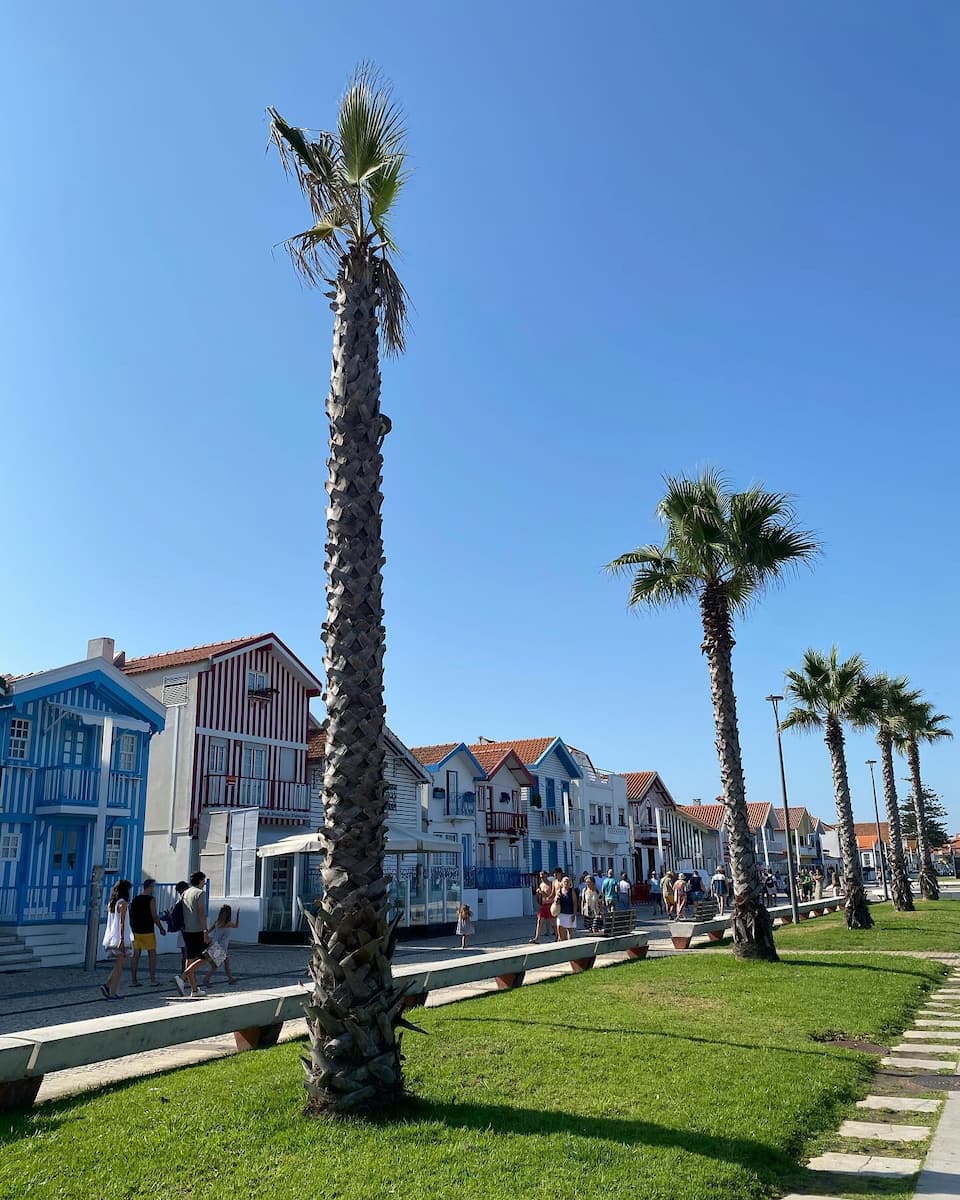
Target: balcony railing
x: 492, y: 877
x: 509, y: 822
x: 49, y: 902
x: 554, y: 818
x: 63, y: 786
x: 459, y: 804
x: 279, y: 795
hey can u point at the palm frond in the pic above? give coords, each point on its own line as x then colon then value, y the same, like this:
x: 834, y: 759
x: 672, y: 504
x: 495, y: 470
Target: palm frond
x: 382, y: 188
x: 370, y: 127
x: 804, y: 719
x: 394, y: 304
x: 313, y: 162
x: 658, y: 579
x: 827, y: 686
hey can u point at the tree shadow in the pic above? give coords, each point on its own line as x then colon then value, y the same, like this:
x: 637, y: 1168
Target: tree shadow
x: 756, y: 1047
x: 761, y: 1158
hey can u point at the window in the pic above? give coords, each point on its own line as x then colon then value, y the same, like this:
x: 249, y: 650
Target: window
x: 19, y: 738
x: 288, y: 764
x: 127, y: 755
x: 217, y: 758
x: 74, y: 745
x: 9, y: 847
x: 257, y: 681
x: 113, y: 849
x: 174, y: 693
x: 621, y: 817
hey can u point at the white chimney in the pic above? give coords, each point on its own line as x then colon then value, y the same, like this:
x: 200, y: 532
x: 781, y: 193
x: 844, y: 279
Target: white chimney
x: 101, y: 648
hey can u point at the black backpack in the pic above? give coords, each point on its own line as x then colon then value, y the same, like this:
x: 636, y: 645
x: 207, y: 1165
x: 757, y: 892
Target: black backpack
x: 175, y: 921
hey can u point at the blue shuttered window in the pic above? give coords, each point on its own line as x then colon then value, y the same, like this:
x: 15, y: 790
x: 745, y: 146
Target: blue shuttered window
x: 551, y: 797
x: 536, y: 855
x: 552, y: 859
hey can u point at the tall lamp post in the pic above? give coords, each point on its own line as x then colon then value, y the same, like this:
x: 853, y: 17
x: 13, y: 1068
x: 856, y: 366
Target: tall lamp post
x: 871, y: 763
x: 792, y: 883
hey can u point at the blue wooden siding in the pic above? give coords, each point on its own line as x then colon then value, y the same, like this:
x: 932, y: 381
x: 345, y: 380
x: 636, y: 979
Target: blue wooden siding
x: 62, y: 782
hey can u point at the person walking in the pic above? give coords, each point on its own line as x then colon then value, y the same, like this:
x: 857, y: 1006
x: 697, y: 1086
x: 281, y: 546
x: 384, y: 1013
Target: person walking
x: 143, y: 923
x: 544, y: 898
x: 656, y: 892
x: 623, y: 892
x: 668, y: 888
x: 464, y: 925
x: 680, y: 895
x: 609, y: 890
x: 117, y: 939
x: 567, y: 916
x: 719, y: 887
x: 590, y: 906
x: 218, y: 950
x: 817, y: 882
x: 195, y: 936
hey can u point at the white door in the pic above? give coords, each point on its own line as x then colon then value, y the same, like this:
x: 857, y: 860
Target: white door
x: 253, y: 786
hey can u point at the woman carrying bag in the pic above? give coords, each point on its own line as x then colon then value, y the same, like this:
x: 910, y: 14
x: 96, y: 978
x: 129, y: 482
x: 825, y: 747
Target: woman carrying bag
x: 117, y: 940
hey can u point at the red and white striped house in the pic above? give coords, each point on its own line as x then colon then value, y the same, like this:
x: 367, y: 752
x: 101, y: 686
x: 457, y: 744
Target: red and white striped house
x: 230, y: 770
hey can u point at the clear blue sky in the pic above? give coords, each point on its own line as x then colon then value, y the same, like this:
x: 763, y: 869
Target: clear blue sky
x: 640, y: 238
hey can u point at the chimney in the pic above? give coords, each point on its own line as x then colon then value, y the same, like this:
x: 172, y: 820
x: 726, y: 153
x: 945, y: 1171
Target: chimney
x: 101, y: 648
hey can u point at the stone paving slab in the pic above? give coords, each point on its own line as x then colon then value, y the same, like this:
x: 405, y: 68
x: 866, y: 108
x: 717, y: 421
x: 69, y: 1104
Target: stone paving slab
x: 940, y: 1177
x: 946, y: 1022
x: 864, y: 1164
x: 930, y: 1064
x: 883, y: 1132
x: 899, y: 1104
x: 925, y: 1047
x: 924, y: 1034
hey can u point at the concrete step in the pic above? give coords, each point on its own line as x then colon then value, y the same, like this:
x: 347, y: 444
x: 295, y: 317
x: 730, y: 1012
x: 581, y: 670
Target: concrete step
x: 899, y: 1104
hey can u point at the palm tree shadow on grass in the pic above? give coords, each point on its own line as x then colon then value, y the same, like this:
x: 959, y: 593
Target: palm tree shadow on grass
x: 766, y: 1160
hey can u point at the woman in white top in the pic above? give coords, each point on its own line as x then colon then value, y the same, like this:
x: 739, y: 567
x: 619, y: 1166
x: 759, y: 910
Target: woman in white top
x: 118, y: 940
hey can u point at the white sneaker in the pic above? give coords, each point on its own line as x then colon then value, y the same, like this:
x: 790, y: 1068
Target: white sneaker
x: 200, y: 992
x: 181, y: 984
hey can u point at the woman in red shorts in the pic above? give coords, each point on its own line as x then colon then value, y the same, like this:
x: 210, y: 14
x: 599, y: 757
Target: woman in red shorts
x: 545, y: 897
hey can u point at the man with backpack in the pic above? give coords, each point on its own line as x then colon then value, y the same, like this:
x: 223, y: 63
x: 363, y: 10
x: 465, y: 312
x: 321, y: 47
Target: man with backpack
x: 195, y: 936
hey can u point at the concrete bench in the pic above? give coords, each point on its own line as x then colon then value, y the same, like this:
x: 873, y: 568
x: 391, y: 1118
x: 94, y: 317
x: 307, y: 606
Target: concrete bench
x: 682, y: 933
x: 256, y: 1018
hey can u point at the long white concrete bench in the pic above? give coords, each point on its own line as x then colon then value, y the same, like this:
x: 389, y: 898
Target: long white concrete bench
x: 682, y: 933
x: 256, y: 1018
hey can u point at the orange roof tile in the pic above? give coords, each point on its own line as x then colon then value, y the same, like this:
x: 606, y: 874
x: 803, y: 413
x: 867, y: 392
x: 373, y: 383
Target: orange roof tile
x: 492, y: 759
x: 428, y: 755
x: 317, y: 744
x: 638, y: 782
x: 528, y: 749
x: 796, y: 816
x: 758, y: 814
x: 706, y: 814
x: 192, y: 654
x: 869, y: 829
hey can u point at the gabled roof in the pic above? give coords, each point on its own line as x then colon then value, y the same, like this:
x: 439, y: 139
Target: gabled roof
x: 868, y: 829
x: 317, y: 748
x: 493, y: 760
x: 532, y: 751
x: 96, y: 673
x: 434, y: 757
x: 796, y: 817
x: 212, y: 650
x: 707, y: 814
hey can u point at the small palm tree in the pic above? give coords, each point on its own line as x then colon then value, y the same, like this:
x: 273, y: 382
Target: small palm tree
x: 721, y: 549
x: 351, y: 179
x: 828, y: 693
x: 917, y: 723
x: 886, y: 699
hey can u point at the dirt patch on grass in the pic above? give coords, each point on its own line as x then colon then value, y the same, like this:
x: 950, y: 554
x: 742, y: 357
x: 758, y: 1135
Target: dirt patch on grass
x: 848, y: 1042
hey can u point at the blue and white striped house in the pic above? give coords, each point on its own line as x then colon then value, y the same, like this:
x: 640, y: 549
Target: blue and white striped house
x: 74, y: 747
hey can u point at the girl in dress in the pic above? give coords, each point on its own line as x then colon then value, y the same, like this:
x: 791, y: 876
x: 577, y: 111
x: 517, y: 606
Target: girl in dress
x: 218, y: 948
x: 117, y: 940
x: 464, y: 924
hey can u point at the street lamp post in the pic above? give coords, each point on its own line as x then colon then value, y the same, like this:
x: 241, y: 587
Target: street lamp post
x: 871, y: 763
x: 792, y: 883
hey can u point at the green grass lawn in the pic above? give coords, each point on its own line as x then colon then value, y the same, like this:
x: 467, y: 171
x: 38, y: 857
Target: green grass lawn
x: 933, y: 926
x: 692, y: 1075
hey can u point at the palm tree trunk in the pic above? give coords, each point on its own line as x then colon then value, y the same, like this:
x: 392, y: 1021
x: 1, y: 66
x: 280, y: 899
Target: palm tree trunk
x: 354, y: 1063
x: 929, y: 884
x: 855, y: 905
x: 752, y: 926
x: 899, y: 883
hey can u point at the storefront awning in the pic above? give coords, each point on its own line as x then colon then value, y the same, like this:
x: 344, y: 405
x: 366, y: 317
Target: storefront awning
x: 400, y: 840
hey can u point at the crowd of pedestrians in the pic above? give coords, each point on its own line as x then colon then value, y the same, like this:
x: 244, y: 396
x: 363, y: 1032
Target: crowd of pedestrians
x: 560, y: 902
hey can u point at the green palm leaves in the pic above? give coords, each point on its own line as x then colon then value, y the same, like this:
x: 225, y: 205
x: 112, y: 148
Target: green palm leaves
x: 826, y: 687
x: 735, y: 542
x: 351, y: 179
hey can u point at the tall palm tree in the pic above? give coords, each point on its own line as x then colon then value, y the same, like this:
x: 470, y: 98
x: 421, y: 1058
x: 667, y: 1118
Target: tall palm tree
x: 351, y: 178
x: 919, y: 723
x: 721, y: 549
x: 886, y: 699
x: 827, y: 693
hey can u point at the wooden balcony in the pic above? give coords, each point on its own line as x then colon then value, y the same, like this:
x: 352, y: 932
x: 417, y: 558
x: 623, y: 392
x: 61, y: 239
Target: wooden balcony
x: 510, y: 823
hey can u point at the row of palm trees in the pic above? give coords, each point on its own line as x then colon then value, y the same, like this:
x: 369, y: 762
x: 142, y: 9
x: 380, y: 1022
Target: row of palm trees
x: 721, y: 549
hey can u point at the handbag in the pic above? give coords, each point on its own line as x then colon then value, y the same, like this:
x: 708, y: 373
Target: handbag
x: 216, y: 953
x: 555, y: 909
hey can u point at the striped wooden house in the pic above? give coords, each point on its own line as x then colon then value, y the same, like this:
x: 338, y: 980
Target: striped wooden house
x: 230, y: 771
x: 74, y: 754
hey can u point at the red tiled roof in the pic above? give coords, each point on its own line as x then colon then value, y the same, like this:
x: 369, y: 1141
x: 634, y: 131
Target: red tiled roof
x: 492, y: 759
x: 638, y: 782
x: 869, y: 829
x: 428, y: 755
x: 706, y: 814
x: 192, y: 654
x: 317, y: 744
x: 757, y: 814
x: 528, y: 749
x: 796, y: 816
x: 867, y: 841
